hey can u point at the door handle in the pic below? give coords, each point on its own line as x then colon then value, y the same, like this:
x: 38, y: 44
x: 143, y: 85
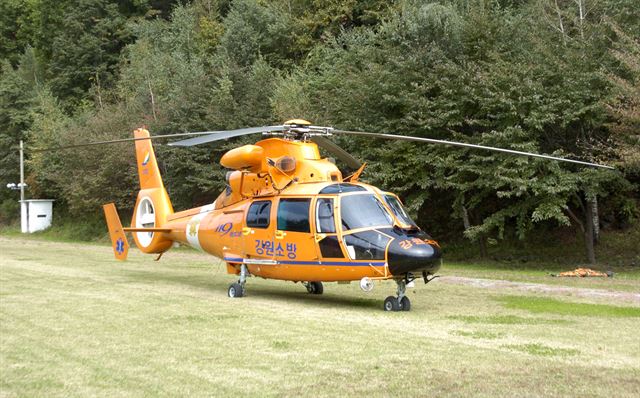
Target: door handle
x: 280, y: 234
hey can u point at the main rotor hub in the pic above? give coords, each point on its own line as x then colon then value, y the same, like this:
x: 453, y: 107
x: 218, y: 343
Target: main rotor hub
x: 301, y: 130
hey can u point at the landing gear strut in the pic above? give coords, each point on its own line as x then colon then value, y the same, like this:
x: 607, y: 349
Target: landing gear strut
x: 314, y: 287
x: 401, y: 302
x: 236, y: 289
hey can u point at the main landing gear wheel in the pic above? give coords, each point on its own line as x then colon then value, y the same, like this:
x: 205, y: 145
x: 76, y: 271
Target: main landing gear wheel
x: 391, y: 304
x: 314, y: 287
x: 236, y: 290
x: 405, y: 304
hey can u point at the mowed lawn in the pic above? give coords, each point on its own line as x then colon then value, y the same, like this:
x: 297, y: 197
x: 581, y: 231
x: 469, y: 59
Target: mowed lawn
x: 75, y: 322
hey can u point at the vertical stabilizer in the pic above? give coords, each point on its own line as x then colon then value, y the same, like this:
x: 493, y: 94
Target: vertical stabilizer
x: 153, y: 205
x: 148, y: 171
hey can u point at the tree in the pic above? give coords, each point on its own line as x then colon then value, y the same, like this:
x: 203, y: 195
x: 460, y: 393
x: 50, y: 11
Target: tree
x: 16, y: 101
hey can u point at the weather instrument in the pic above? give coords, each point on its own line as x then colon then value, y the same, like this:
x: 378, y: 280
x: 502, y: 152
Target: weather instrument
x: 289, y: 214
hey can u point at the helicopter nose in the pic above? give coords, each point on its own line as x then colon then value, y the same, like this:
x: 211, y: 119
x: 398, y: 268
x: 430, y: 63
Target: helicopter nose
x: 413, y: 255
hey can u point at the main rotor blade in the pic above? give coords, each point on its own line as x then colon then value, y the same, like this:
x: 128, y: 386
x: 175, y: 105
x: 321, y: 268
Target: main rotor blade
x: 153, y: 137
x: 337, y: 151
x: 462, y: 144
x: 212, y: 136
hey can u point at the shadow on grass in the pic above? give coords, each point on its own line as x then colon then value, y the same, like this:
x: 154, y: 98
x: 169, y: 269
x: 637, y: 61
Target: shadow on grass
x: 254, y: 290
x: 324, y: 300
x: 154, y: 276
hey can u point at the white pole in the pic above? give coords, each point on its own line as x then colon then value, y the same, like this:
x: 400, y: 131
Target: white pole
x: 24, y: 211
x: 21, y: 171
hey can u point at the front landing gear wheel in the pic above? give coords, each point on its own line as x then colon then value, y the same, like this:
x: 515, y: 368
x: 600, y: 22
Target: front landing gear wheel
x: 405, y: 304
x: 315, y: 287
x: 236, y: 290
x: 391, y: 304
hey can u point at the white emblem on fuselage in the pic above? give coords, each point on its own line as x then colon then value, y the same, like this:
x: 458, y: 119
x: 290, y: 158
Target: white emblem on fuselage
x: 193, y: 226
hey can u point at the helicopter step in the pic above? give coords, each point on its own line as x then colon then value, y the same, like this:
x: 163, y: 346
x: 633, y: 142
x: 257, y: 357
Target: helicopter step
x: 236, y: 290
x: 401, y: 302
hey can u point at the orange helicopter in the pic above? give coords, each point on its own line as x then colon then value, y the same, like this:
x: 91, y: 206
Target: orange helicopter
x: 289, y: 214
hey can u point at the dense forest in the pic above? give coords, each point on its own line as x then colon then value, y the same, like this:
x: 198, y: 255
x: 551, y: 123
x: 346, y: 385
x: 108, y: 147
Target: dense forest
x: 560, y: 77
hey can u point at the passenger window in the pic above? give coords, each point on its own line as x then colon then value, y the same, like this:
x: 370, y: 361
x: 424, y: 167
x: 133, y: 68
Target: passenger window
x: 293, y: 215
x: 259, y: 214
x: 324, y: 216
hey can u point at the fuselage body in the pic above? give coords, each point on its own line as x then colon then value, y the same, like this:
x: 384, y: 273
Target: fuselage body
x: 287, y: 214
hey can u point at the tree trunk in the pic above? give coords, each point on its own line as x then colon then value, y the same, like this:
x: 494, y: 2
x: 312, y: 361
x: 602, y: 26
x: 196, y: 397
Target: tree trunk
x: 99, y: 92
x: 589, y: 234
x: 153, y: 102
x: 581, y: 16
x: 586, y: 229
x: 596, y: 219
x: 465, y: 218
x: 560, y: 24
x: 482, y: 239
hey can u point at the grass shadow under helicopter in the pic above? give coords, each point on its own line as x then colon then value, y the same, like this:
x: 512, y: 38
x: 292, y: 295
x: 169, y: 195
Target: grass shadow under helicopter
x: 255, y: 289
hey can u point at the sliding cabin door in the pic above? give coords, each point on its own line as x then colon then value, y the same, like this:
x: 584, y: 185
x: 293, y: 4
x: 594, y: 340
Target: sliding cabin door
x: 294, y: 241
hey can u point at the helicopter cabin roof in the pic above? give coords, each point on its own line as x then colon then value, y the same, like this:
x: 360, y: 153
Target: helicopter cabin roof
x: 327, y: 188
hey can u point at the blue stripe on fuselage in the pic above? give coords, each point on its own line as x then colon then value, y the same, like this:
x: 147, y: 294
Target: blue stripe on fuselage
x: 288, y: 262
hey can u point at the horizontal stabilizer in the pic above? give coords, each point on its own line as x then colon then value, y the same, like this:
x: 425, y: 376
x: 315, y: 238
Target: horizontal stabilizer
x: 147, y: 229
x: 116, y: 232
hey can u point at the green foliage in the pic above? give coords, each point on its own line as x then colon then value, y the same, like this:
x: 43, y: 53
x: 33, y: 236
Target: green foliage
x: 16, y: 28
x: 9, y: 211
x: 526, y: 75
x: 16, y: 103
x: 84, y: 47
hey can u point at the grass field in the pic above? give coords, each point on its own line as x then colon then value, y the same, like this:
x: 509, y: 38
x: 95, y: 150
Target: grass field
x: 74, y: 322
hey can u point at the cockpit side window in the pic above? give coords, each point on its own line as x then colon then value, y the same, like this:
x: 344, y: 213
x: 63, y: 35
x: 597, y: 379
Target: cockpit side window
x: 397, y: 209
x: 324, y: 216
x: 293, y: 215
x: 361, y: 211
x: 366, y: 245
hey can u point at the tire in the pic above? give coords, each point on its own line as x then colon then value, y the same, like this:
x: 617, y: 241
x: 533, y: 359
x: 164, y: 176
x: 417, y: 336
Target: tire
x: 315, y: 288
x: 391, y: 304
x: 310, y: 287
x: 405, y: 304
x: 319, y: 288
x: 236, y: 290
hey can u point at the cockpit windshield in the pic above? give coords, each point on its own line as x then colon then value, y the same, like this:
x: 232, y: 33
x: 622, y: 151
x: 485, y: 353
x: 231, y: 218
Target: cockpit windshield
x: 397, y: 208
x: 361, y: 211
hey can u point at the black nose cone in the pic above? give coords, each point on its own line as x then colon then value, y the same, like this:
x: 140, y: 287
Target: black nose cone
x: 413, y: 255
